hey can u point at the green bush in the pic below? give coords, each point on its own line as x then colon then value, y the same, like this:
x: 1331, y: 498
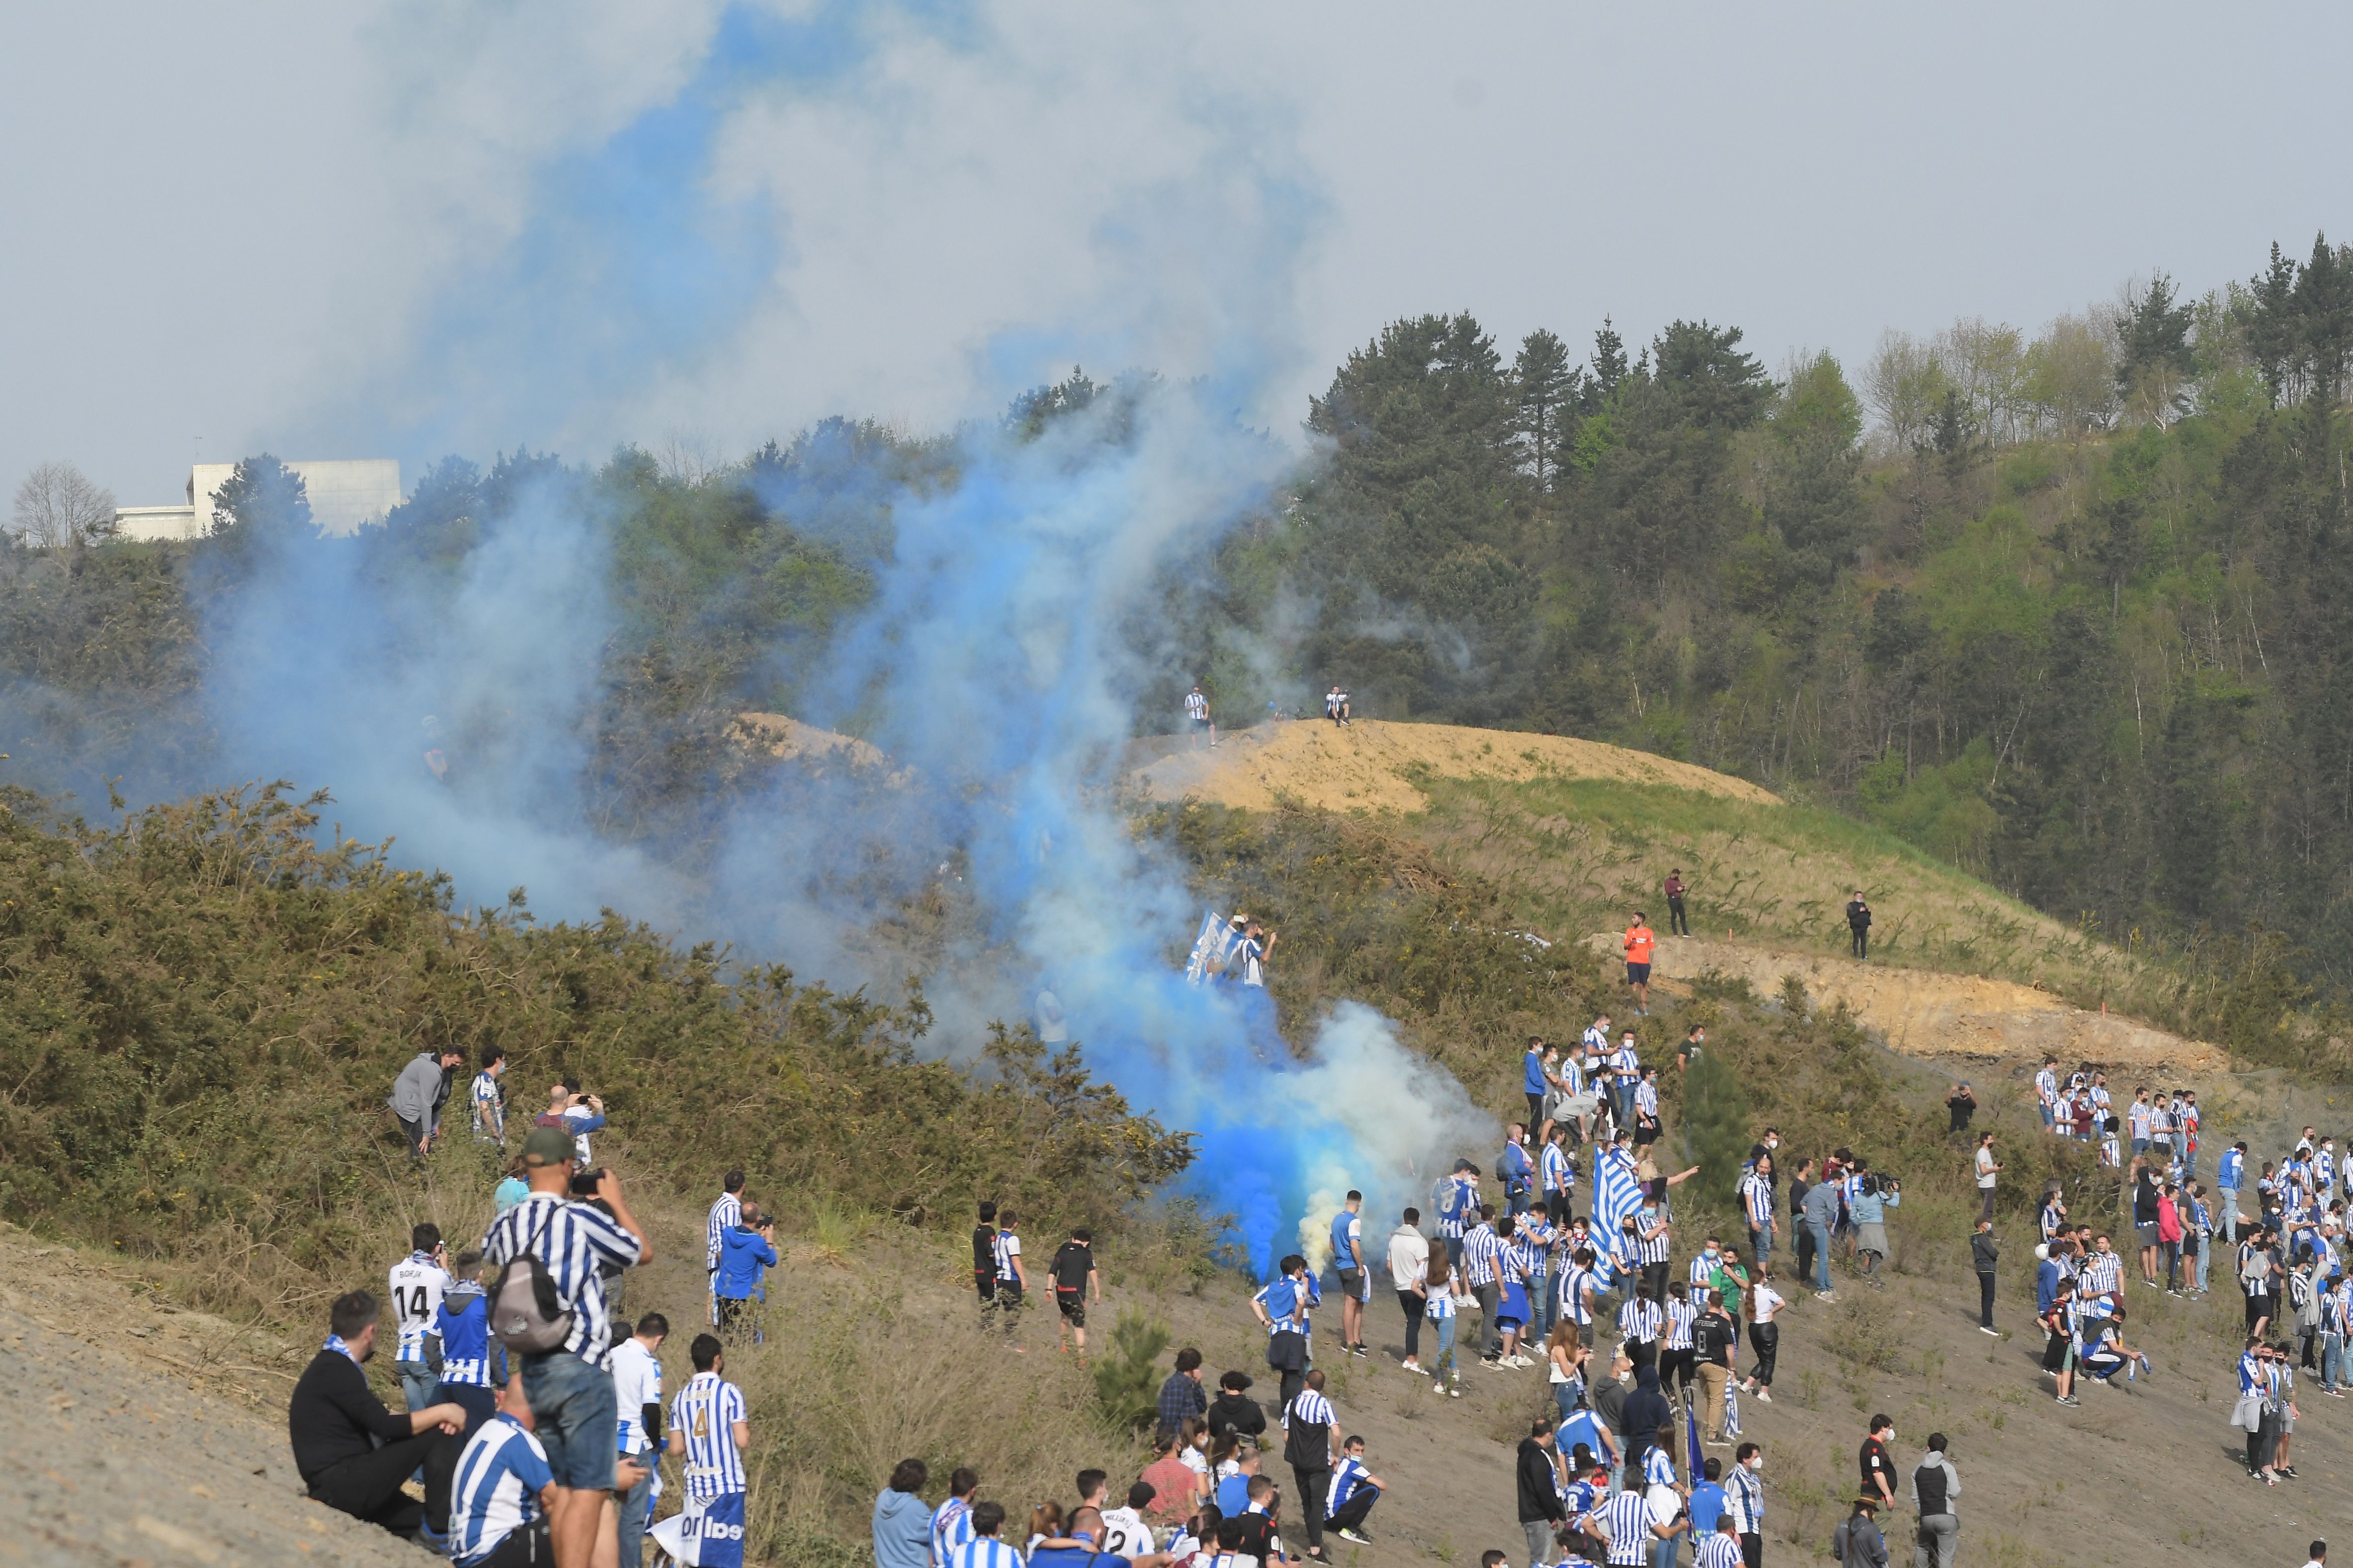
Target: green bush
x: 1127, y: 1381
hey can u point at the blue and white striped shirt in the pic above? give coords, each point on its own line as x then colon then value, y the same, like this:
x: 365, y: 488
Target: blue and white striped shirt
x: 725, y: 1216
x: 1574, y: 1284
x: 1703, y: 1269
x: 490, y: 1116
x: 1347, y: 1477
x: 1559, y: 1175
x: 1312, y: 1408
x: 1717, y: 1550
x: 1681, y: 1316
x: 1639, y: 1320
x: 1481, y: 1247
x: 985, y: 1551
x: 1654, y: 1248
x: 1646, y: 1100
x: 951, y: 1528
x: 463, y: 1324
x: 1757, y: 1197
x: 703, y: 1415
x: 495, y: 1491
x: 1658, y: 1469
x: 1627, y: 1519
x: 572, y: 1240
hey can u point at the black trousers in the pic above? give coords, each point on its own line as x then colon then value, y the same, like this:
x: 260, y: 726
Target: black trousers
x: 1765, y: 1339
x: 1805, y: 1240
x: 1985, y: 1300
x: 1535, y: 1115
x: 1679, y: 1367
x: 1752, y: 1551
x: 1861, y: 940
x: 1314, y: 1486
x: 1349, y: 1515
x: 525, y: 1548
x: 1415, y: 1308
x: 368, y: 1486
x: 1655, y: 1282
x: 1676, y: 924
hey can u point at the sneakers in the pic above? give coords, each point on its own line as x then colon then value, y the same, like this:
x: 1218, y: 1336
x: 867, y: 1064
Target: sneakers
x: 1765, y: 1395
x: 1825, y: 1296
x: 2069, y: 1399
x: 2288, y: 1471
x: 1454, y: 1391
x: 1358, y: 1351
x: 1346, y: 1532
x: 1416, y: 1368
x: 1989, y: 1329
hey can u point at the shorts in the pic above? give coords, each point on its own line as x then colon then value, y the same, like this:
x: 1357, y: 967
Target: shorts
x: 1072, y: 1304
x: 2054, y: 1354
x: 578, y: 1420
x: 1356, y: 1284
x: 1645, y: 1135
x: 1638, y: 974
x: 2146, y: 1234
x: 711, y: 1529
x: 1198, y: 724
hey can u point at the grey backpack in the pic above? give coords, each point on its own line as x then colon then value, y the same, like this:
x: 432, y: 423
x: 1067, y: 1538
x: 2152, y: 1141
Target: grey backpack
x: 526, y: 1313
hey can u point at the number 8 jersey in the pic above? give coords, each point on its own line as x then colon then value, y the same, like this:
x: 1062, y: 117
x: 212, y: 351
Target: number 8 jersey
x: 417, y: 1283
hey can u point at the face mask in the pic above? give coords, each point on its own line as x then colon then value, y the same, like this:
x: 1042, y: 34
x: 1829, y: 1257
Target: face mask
x: 1756, y: 1464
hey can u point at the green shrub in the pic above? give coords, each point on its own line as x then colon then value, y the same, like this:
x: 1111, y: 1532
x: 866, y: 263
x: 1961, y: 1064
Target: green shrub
x: 1127, y: 1381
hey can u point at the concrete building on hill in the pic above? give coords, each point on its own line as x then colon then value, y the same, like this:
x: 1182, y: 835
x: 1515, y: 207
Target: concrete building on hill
x: 345, y: 497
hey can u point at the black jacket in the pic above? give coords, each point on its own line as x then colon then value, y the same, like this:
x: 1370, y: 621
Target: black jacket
x: 1646, y: 1410
x: 335, y: 1416
x: 1232, y: 1412
x: 1539, y: 1497
x: 1983, y: 1252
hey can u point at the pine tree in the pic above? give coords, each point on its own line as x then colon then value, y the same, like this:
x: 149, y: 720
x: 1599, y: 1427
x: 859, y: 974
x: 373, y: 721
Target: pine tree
x: 1548, y: 388
x: 1609, y: 363
x: 1715, y: 1121
x: 1127, y: 1381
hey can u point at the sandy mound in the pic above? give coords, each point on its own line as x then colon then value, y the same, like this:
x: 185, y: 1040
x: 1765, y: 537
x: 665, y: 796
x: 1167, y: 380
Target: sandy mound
x: 785, y: 737
x: 1368, y: 766
x: 1924, y: 1013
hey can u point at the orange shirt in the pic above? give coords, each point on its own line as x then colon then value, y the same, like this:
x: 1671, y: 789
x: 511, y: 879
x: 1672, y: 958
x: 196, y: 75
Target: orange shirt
x: 1640, y: 940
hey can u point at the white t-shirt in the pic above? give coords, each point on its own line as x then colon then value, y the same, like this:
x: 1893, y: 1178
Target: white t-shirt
x: 417, y: 1283
x: 637, y: 1383
x: 1766, y: 1300
x: 1985, y: 1166
x: 1408, y: 1258
x: 1125, y: 1535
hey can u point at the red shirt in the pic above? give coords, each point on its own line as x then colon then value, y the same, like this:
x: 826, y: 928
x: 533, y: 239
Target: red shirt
x: 1640, y: 940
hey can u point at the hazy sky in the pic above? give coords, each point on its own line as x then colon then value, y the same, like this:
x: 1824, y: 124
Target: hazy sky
x: 360, y: 230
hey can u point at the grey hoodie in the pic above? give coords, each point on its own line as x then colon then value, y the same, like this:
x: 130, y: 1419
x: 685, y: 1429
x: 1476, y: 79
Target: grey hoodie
x: 1936, y: 1460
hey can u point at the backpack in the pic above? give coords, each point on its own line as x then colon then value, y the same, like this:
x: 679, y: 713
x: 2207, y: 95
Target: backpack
x: 528, y: 1316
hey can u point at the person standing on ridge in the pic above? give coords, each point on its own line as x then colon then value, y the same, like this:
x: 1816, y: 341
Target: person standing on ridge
x: 491, y: 1100
x: 1355, y: 1273
x: 1676, y: 924
x: 727, y: 1213
x: 1197, y: 718
x: 1640, y: 940
x: 1858, y: 925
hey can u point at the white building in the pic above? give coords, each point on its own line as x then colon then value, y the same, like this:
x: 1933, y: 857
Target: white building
x: 345, y: 497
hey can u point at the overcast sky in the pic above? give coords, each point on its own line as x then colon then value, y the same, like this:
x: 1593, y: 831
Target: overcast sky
x: 361, y: 230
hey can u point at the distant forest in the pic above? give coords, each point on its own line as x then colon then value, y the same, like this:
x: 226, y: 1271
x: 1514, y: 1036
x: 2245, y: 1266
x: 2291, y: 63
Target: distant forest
x: 2072, y: 610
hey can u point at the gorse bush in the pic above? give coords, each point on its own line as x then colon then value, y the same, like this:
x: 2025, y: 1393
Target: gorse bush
x: 1716, y: 1129
x: 204, y: 1010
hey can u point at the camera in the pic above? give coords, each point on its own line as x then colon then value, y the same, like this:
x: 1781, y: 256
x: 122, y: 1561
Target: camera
x: 584, y: 1182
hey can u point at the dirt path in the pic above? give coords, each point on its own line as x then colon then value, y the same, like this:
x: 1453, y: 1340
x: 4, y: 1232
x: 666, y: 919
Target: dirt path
x: 1369, y: 765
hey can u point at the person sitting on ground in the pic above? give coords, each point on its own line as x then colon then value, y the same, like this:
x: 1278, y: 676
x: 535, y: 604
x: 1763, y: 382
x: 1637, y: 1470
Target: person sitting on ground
x: 1234, y: 1411
x: 1354, y: 1490
x: 1234, y: 1490
x: 352, y: 1453
x: 499, y: 1517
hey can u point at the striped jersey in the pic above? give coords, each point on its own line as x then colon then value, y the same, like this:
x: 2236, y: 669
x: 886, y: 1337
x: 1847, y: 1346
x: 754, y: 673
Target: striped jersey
x: 1441, y: 1303
x: 1559, y: 1175
x: 572, y: 1240
x: 1744, y: 1494
x: 1701, y: 1273
x: 725, y: 1216
x: 490, y: 1114
x: 1197, y: 706
x: 985, y: 1551
x: 495, y: 1491
x: 1349, y: 1478
x: 1639, y: 1320
x: 1653, y: 1248
x: 1625, y: 1066
x: 463, y: 1323
x: 951, y: 1528
x: 1457, y: 1204
x: 1312, y: 1408
x: 1627, y: 1519
x: 1681, y: 1316
x: 1481, y: 1247
x: 704, y: 1415
x: 1717, y: 1550
x: 1523, y: 1259
x: 2103, y: 1273
x: 1658, y: 1469
x: 1756, y: 1198
x: 1006, y: 1246
x: 1575, y: 1283
x: 417, y: 1283
x: 1646, y: 1100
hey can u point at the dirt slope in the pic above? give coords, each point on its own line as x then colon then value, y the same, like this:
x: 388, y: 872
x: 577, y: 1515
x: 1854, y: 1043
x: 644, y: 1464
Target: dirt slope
x: 1371, y: 765
x: 151, y: 1436
x: 1925, y: 1012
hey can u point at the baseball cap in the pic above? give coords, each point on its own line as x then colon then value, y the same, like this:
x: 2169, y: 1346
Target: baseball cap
x: 548, y: 1146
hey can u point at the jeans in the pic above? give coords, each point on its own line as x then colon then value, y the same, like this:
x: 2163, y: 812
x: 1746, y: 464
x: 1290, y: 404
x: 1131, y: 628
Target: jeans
x: 1821, y: 1254
x: 579, y: 1424
x: 417, y: 1383
x: 1539, y: 1536
x: 2332, y: 1360
x: 2204, y: 1253
x: 2230, y: 1216
x: 1664, y: 1553
x: 1414, y: 1307
x: 1760, y: 1243
x: 1543, y: 1307
x: 637, y: 1505
x: 1940, y: 1534
x: 1563, y: 1398
x: 1985, y: 1300
x: 1444, y: 1367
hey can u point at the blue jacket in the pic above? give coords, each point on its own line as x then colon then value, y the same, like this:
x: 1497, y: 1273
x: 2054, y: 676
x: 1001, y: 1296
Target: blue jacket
x: 2228, y: 1177
x: 743, y: 1254
x: 903, y: 1531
